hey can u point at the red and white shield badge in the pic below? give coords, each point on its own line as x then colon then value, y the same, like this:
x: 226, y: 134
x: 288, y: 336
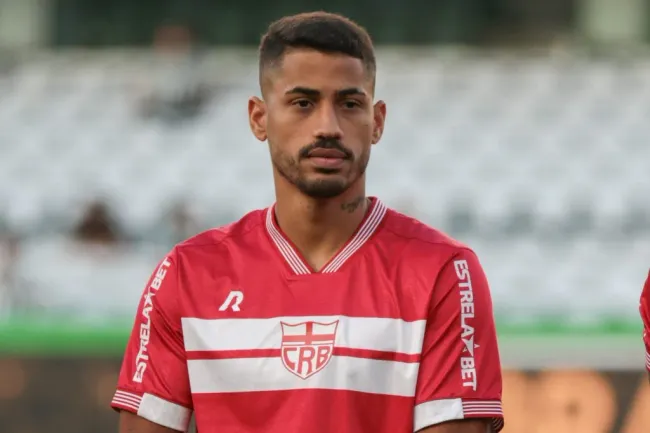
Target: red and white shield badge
x: 307, y: 347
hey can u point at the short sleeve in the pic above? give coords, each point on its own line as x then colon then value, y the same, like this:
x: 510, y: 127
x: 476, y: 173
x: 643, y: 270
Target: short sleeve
x: 153, y: 382
x: 460, y: 369
x: 644, y: 308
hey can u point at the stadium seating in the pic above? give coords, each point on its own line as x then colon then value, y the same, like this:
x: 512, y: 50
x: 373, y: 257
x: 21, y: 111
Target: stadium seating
x: 540, y: 163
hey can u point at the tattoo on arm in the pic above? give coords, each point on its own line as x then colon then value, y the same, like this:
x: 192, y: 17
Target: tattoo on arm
x: 353, y: 205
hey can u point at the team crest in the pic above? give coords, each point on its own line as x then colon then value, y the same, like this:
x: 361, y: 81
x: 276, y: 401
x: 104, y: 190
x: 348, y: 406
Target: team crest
x: 307, y: 347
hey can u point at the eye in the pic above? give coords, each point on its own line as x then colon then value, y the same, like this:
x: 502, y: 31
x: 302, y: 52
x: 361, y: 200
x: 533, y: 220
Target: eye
x: 351, y: 104
x: 302, y: 103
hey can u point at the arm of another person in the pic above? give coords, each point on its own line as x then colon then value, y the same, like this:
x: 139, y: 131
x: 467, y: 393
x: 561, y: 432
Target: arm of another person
x: 459, y: 382
x: 644, y: 309
x: 153, y: 392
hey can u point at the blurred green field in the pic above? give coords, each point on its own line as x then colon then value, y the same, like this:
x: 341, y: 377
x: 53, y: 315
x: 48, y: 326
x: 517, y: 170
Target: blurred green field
x: 51, y: 337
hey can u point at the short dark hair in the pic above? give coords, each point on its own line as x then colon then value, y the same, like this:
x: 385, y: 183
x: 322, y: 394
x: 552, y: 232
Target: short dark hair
x: 321, y: 31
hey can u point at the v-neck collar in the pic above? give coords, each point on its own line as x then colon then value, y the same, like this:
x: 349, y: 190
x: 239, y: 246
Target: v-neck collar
x: 296, y: 262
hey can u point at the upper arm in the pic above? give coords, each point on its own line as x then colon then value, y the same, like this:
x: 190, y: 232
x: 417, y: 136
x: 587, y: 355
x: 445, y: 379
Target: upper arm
x: 131, y: 423
x: 460, y: 369
x: 644, y: 309
x: 153, y: 381
x: 464, y: 426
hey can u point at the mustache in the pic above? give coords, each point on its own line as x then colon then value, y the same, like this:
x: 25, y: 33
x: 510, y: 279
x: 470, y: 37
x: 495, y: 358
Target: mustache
x: 325, y: 143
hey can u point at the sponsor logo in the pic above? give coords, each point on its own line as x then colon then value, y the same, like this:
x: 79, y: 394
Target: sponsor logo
x: 467, y: 362
x: 307, y: 347
x: 145, y: 326
x: 235, y: 297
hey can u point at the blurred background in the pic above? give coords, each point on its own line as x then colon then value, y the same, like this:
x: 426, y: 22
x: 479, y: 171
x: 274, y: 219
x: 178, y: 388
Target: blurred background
x: 519, y: 127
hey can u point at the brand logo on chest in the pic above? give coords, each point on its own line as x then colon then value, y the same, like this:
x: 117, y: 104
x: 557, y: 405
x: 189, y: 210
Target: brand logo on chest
x: 307, y: 347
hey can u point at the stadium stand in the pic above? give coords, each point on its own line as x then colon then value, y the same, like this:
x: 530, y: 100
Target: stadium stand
x: 540, y: 163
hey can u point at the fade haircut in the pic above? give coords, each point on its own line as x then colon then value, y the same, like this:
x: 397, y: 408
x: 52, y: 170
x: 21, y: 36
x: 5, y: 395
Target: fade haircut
x: 320, y: 31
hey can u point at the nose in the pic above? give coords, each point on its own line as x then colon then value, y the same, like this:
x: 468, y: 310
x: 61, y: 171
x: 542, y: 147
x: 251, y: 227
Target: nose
x: 328, y: 123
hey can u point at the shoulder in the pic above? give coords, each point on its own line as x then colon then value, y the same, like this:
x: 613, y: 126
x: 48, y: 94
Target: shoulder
x: 436, y: 261
x: 422, y: 239
x: 240, y: 234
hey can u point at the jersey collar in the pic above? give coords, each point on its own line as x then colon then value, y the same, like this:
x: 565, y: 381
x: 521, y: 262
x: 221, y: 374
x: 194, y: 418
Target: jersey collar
x: 293, y: 258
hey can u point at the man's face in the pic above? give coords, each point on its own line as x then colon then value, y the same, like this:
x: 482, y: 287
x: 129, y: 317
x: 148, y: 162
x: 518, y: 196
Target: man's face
x: 319, y: 119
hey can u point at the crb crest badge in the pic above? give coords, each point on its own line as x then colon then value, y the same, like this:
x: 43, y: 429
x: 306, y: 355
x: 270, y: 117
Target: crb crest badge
x: 307, y: 347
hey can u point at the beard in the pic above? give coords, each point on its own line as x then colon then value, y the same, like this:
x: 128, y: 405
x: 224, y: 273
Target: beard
x: 333, y: 182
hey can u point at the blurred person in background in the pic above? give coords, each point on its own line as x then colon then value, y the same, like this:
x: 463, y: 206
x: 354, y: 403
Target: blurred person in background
x: 97, y: 227
x: 177, y: 89
x: 178, y: 224
x: 326, y: 312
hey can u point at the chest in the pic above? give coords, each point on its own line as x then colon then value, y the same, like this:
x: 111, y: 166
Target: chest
x: 254, y: 332
x: 365, y: 290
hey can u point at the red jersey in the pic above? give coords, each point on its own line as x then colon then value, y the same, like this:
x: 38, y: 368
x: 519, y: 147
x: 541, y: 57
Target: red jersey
x: 645, y: 316
x: 395, y: 334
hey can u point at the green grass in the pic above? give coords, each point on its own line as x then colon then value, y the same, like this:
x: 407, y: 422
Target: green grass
x: 50, y: 337
x: 58, y: 338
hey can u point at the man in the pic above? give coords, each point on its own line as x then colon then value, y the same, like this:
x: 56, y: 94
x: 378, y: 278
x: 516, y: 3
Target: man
x: 327, y: 312
x: 645, y: 316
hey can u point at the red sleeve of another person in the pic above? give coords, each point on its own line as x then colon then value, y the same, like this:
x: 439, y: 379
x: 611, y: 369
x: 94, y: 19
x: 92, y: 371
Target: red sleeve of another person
x: 645, y: 316
x: 460, y: 370
x: 153, y: 381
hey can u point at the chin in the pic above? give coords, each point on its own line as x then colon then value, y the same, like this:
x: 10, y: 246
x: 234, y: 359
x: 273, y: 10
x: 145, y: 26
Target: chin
x: 323, y: 188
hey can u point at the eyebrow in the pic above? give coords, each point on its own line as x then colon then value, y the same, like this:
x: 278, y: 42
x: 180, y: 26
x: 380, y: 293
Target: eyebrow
x: 351, y: 91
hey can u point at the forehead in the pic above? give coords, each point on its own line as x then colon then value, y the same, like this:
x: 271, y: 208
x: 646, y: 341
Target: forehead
x: 320, y: 71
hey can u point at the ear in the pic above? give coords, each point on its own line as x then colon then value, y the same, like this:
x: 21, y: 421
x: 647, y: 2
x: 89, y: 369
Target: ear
x: 379, y: 120
x: 257, y: 117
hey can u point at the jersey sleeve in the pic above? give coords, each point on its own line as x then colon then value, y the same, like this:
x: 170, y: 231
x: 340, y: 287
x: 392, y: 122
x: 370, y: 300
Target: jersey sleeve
x: 644, y: 308
x: 460, y: 369
x: 153, y: 381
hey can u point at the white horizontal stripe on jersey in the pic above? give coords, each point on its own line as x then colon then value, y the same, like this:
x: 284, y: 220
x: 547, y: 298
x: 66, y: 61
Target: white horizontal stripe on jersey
x: 370, y: 333
x: 438, y: 411
x: 165, y: 413
x: 270, y: 374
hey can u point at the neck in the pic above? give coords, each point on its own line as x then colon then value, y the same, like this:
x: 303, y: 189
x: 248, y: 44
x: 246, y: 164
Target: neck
x: 320, y: 227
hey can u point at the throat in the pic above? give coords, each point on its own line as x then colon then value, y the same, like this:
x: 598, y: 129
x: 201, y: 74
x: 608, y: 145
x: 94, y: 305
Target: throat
x: 353, y: 205
x: 317, y: 260
x: 319, y: 234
